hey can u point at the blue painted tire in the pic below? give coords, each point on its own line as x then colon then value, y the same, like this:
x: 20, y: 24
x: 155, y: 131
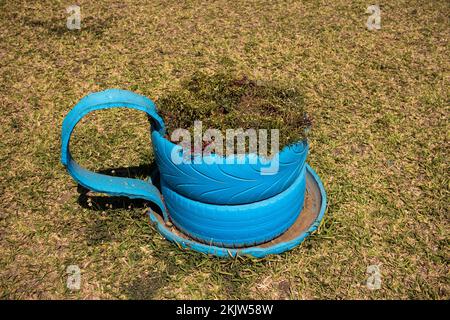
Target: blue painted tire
x: 227, y: 183
x: 287, y: 241
x: 236, y: 225
x: 229, y: 205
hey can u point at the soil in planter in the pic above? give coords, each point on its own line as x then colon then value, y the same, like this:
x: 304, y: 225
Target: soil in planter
x: 225, y: 101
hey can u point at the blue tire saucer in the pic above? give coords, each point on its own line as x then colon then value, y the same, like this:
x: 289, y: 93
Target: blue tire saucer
x: 307, y: 222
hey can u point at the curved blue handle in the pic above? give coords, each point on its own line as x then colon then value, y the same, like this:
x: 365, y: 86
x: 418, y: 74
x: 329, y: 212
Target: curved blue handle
x: 116, y: 186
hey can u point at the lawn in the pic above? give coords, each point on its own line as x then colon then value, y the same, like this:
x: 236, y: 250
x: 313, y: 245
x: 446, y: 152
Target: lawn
x: 379, y: 102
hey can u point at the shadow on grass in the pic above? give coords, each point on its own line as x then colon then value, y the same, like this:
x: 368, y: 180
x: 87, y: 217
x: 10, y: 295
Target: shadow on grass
x: 102, y: 203
x: 181, y: 264
x: 146, y: 288
x: 111, y: 215
x: 57, y: 26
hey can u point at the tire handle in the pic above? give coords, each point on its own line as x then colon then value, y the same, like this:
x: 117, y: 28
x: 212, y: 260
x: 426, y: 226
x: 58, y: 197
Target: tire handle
x: 115, y: 186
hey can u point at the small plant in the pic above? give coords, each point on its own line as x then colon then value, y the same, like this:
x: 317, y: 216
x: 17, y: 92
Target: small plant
x: 225, y: 101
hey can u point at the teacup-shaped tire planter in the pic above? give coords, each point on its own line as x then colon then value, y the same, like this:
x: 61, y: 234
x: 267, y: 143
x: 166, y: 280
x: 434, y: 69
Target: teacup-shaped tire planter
x: 228, y: 205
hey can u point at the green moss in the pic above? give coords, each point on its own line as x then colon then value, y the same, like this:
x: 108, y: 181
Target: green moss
x: 226, y: 101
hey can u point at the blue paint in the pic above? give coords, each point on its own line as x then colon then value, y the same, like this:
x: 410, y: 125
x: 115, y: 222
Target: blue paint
x: 253, y: 251
x: 224, y: 181
x: 223, y: 205
x: 115, y: 186
x: 236, y: 225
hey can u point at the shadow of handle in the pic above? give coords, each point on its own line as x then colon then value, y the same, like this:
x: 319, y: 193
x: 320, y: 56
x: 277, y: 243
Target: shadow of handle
x: 115, y: 186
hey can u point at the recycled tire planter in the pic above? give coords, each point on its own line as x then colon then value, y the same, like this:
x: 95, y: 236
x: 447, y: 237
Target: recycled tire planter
x: 307, y: 222
x: 222, y: 208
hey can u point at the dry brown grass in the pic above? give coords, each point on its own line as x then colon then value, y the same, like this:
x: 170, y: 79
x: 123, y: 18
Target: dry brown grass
x: 380, y: 144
